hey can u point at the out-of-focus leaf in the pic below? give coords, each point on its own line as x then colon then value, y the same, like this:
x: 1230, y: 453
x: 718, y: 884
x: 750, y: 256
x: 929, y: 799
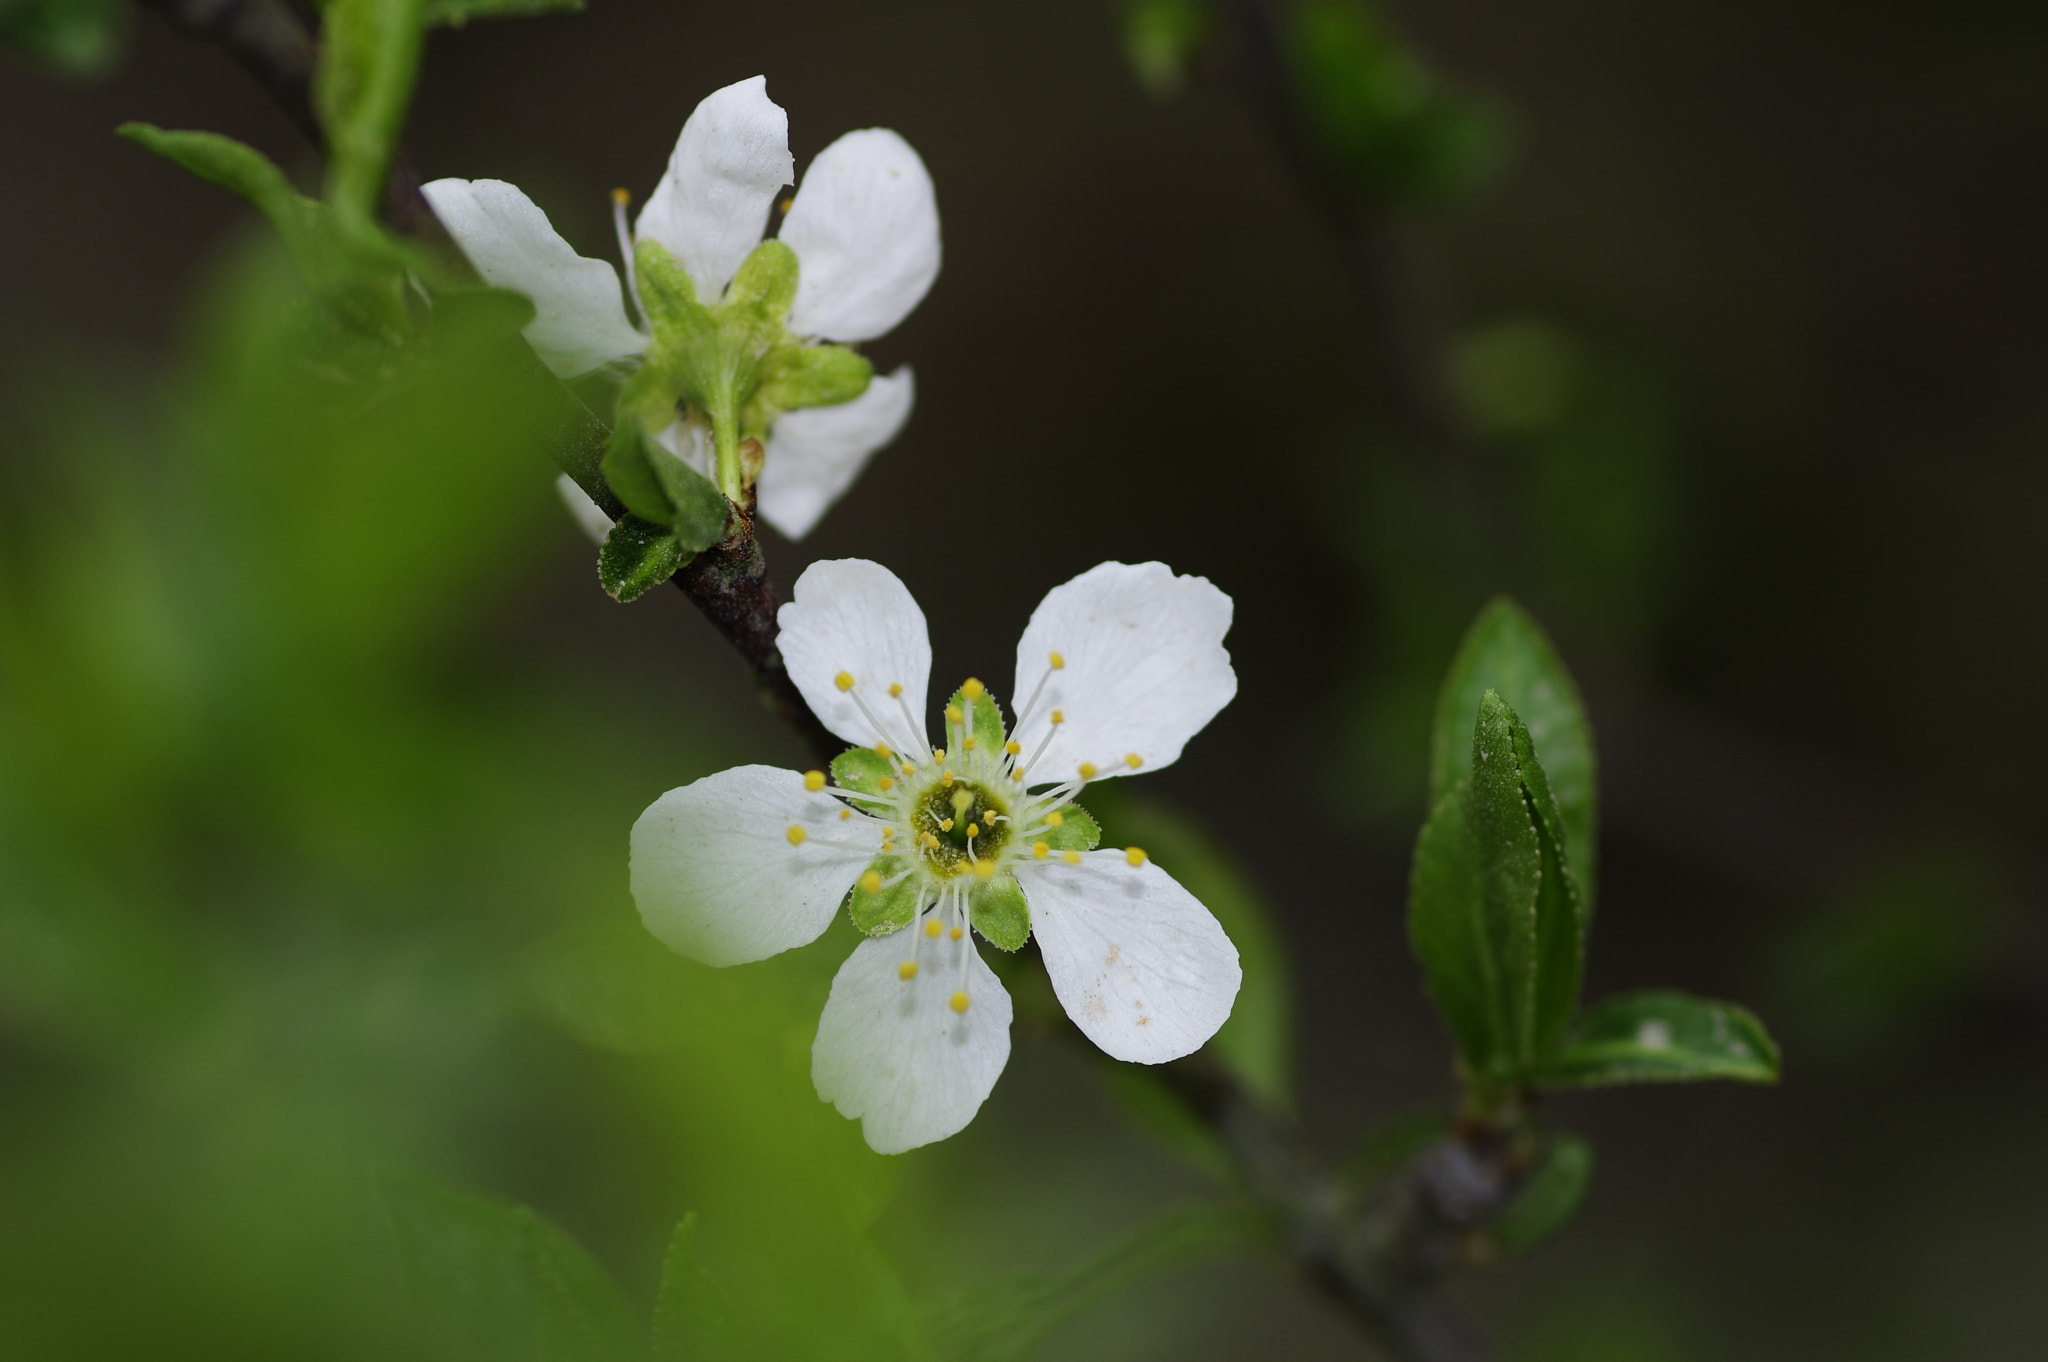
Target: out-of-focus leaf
x: 1006, y: 1320
x: 1159, y: 38
x: 1507, y: 651
x: 369, y: 58
x: 362, y: 282
x: 73, y: 37
x: 1659, y: 1036
x: 1395, y: 1143
x: 496, y: 1283
x: 1257, y: 1041
x: 1447, y: 931
x: 456, y: 13
x: 637, y: 557
x: 1380, y: 118
x: 694, y: 1320
x: 1164, y: 1116
x: 1549, y: 1198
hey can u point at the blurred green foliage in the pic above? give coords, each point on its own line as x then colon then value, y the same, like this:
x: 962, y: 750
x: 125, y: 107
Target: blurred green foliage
x: 71, y: 37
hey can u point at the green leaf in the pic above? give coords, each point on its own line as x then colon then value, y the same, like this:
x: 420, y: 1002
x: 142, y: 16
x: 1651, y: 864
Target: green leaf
x: 700, y: 511
x: 1548, y: 1199
x: 369, y: 58
x: 629, y: 470
x: 863, y: 769
x: 1004, y: 1321
x: 73, y: 37
x: 694, y: 1320
x: 1507, y: 651
x: 1510, y: 875
x: 637, y: 557
x: 999, y: 912
x: 1447, y: 931
x: 1560, y: 919
x: 1660, y: 1036
x: 496, y: 1283
x: 795, y: 376
x: 1257, y: 1040
x: 456, y: 13
x: 891, y: 906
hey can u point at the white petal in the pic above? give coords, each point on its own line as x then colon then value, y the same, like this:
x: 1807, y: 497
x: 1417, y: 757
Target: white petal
x: 893, y: 1053
x: 712, y: 203
x: 717, y: 878
x: 865, y: 229
x: 1145, y: 668
x: 578, y: 321
x: 815, y: 454
x: 689, y: 442
x: 1140, y: 965
x: 855, y: 617
x: 588, y: 517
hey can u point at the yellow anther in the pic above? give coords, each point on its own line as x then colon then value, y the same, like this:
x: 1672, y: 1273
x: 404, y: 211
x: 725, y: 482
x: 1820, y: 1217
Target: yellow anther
x: 908, y: 769
x: 949, y: 778
x: 930, y: 842
x: 1059, y: 716
x: 844, y: 680
x: 984, y: 870
x: 882, y: 751
x: 621, y: 197
x: 1056, y: 660
x: 954, y: 715
x: 796, y: 835
x: 1071, y: 857
x: 845, y: 814
x: 974, y: 829
x: 1087, y: 770
x: 1013, y: 747
x: 1055, y: 819
x: 938, y: 754
x: 960, y: 1002
x: 871, y: 883
x: 787, y: 204
x: 945, y: 825
x: 1041, y: 850
x: 814, y: 781
x: 907, y: 970
x: 887, y: 783
x: 967, y: 745
x: 932, y: 928
x: 954, y: 934
x: 973, y: 689
x: 894, y: 690
x: 962, y: 801
x: 1134, y: 761
x: 1135, y: 855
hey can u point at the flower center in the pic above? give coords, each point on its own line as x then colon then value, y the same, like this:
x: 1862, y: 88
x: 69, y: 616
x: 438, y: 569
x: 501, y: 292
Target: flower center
x: 958, y: 822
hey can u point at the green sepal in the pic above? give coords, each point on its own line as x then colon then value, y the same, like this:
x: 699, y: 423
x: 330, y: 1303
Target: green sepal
x: 456, y: 13
x: 889, y: 908
x: 984, y: 720
x: 863, y: 769
x: 667, y: 293
x: 1505, y: 650
x: 999, y: 911
x: 637, y: 557
x: 1078, y: 831
x: 796, y: 376
x: 762, y: 292
x: 369, y: 56
x: 1661, y: 1036
x: 1549, y: 1197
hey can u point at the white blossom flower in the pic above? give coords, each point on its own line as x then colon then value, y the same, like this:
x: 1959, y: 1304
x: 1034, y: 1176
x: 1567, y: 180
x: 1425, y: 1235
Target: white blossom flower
x: 928, y: 847
x: 864, y: 226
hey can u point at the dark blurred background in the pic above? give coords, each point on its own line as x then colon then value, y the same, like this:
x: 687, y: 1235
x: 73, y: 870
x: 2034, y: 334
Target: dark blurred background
x: 1748, y: 324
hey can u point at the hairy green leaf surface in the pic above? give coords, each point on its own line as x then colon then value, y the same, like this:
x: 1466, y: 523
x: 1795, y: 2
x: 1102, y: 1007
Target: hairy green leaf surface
x: 1507, y: 651
x: 637, y: 557
x: 794, y: 376
x: 1660, y: 1036
x: 1560, y: 918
